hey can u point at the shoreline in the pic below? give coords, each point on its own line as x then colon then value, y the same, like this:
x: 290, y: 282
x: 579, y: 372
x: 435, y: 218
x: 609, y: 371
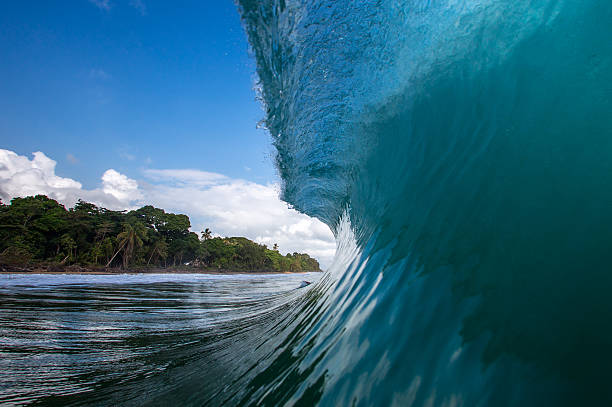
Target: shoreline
x: 110, y: 273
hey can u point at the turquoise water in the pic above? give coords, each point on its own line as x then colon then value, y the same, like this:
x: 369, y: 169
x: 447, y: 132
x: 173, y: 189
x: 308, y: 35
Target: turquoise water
x: 462, y: 153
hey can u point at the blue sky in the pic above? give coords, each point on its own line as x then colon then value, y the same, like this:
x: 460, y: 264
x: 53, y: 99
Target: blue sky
x: 131, y: 102
x: 129, y: 85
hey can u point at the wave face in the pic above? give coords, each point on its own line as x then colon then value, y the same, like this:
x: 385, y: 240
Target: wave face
x: 462, y: 153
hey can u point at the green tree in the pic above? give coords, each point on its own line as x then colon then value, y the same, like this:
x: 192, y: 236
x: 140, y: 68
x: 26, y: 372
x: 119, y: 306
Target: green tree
x: 38, y: 221
x: 103, y: 230
x: 128, y: 241
x: 206, y: 234
x: 69, y: 246
x: 107, y: 247
x: 39, y: 229
x: 159, y: 250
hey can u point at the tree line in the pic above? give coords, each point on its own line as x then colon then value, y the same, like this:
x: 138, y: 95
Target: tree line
x: 39, y: 230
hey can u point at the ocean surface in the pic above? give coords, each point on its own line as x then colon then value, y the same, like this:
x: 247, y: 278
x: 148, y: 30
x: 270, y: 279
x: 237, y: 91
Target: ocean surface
x: 461, y: 152
x: 151, y: 339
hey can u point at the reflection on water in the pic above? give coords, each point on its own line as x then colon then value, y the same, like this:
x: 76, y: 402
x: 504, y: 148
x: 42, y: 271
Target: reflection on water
x: 99, y: 339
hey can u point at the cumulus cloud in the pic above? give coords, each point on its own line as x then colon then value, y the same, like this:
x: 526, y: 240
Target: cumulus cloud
x: 228, y: 206
x: 234, y: 207
x: 20, y: 176
x: 120, y: 186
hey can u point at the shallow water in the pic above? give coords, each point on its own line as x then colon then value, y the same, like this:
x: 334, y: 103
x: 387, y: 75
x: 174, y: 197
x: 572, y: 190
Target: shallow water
x: 123, y: 339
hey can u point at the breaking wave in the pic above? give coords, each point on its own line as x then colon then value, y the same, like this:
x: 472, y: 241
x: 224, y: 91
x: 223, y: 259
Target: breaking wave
x: 461, y: 151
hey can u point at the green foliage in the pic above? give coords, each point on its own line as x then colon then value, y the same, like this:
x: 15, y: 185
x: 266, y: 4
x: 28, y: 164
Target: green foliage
x: 69, y: 247
x: 206, y: 234
x: 17, y: 253
x: 130, y: 240
x: 39, y: 229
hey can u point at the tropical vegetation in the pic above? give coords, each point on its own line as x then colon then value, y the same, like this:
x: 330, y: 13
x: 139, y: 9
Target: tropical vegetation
x: 39, y: 230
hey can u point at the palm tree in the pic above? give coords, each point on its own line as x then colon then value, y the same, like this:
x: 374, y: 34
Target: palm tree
x: 103, y: 229
x: 160, y: 249
x: 206, y: 234
x: 70, y: 246
x: 129, y: 239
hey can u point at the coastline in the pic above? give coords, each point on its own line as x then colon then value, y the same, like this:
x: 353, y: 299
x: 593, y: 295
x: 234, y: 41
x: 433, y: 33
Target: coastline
x: 9, y: 269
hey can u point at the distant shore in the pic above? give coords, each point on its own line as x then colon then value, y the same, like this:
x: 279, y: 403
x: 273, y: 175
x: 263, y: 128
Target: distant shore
x: 11, y: 269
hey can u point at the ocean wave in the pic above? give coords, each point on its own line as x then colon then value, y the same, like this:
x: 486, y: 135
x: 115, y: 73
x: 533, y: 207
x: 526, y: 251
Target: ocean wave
x: 466, y: 146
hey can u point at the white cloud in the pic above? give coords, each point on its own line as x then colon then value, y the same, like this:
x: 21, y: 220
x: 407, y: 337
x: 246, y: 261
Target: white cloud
x: 228, y: 206
x: 20, y: 176
x: 234, y: 207
x: 186, y: 177
x: 120, y: 186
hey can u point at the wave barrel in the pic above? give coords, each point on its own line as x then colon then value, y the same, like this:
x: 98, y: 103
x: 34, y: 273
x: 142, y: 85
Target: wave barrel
x: 462, y: 153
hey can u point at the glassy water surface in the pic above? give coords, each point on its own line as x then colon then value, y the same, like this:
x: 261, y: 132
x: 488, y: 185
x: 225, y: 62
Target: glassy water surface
x: 98, y: 339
